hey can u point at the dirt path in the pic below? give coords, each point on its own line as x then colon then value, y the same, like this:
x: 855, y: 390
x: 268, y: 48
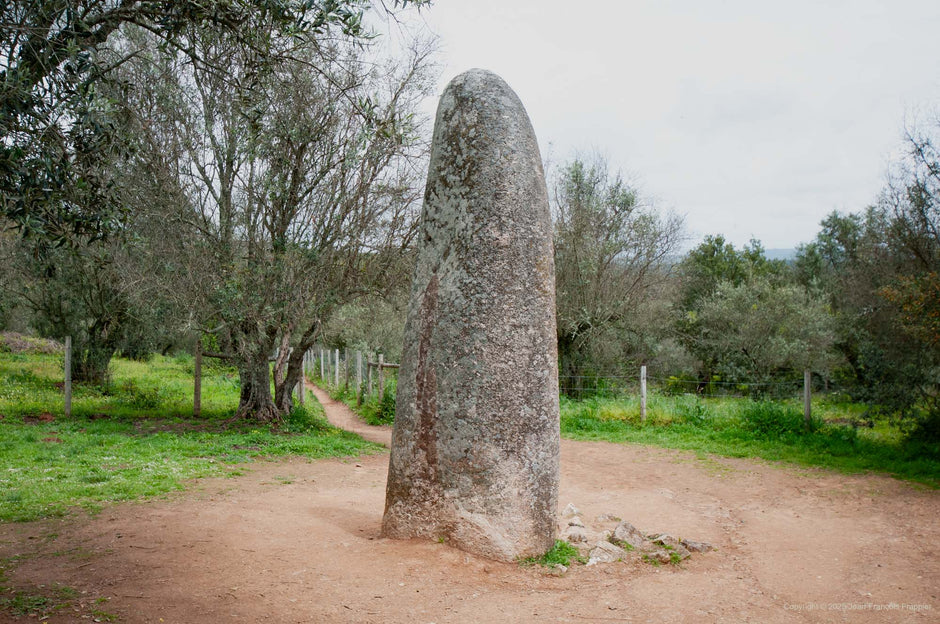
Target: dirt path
x: 341, y: 416
x: 298, y: 541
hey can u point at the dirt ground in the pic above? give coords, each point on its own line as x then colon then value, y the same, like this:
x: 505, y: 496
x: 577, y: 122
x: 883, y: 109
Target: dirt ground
x: 298, y: 541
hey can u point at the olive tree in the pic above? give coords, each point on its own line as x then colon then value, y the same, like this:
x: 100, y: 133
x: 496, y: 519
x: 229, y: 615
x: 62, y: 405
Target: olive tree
x: 291, y: 188
x: 53, y: 55
x: 612, y: 252
x: 758, y: 331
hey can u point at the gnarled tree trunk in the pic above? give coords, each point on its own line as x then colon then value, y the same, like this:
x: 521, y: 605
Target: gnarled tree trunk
x: 255, y: 402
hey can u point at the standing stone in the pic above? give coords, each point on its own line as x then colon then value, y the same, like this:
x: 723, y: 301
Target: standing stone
x: 474, y: 458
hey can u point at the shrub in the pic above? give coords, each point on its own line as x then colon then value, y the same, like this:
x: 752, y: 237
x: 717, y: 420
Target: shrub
x: 143, y: 398
x: 387, y: 404
x: 772, y: 419
x: 302, y: 419
x: 692, y: 410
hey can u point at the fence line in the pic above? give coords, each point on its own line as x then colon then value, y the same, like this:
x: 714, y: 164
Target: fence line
x: 587, y: 386
x: 344, y: 370
x: 337, y: 373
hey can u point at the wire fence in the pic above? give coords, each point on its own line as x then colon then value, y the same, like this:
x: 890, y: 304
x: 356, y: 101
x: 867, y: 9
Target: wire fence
x: 367, y: 376
x: 581, y: 387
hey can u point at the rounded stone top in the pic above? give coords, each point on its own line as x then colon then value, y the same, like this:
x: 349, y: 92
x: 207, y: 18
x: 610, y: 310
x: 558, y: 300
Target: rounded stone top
x: 479, y: 77
x: 482, y: 85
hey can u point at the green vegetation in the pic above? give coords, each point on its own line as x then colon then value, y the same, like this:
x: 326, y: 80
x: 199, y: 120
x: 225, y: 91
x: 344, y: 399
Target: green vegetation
x: 31, y: 384
x: 33, y: 601
x: 627, y: 546
x: 135, y: 437
x: 45, y: 601
x: 774, y: 430
x: 561, y: 553
x: 48, y: 602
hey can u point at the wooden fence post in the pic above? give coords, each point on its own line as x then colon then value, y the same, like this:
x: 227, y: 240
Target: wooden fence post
x: 643, y: 393
x: 807, y: 397
x: 369, y: 374
x: 197, y: 380
x: 303, y: 379
x: 68, y: 376
x: 322, y: 370
x: 346, y: 367
x: 381, y: 377
x: 336, y: 369
x: 358, y: 377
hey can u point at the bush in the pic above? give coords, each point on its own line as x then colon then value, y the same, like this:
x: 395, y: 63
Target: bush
x: 679, y: 384
x: 772, y: 419
x: 302, y: 419
x: 693, y: 411
x: 926, y: 427
x: 144, y: 398
x: 387, y: 405
x: 12, y: 342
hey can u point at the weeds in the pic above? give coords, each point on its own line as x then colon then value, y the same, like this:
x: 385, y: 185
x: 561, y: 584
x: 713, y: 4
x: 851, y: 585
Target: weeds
x: 561, y: 553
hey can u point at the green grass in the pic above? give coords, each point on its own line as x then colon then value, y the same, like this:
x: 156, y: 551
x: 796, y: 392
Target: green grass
x: 736, y: 427
x: 31, y: 384
x: 561, y: 553
x: 136, y: 438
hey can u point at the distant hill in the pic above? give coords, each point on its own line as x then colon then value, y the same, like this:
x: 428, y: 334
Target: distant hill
x: 780, y: 254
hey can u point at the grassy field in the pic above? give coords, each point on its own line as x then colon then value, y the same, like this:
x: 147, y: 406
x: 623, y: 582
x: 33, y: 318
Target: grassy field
x: 772, y: 430
x: 136, y: 438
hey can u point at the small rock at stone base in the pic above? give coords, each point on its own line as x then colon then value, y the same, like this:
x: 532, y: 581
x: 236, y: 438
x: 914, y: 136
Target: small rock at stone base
x: 664, y: 539
x: 628, y: 534
x: 576, y: 521
x: 570, y: 510
x: 698, y: 547
x: 576, y: 534
x: 605, y: 552
x: 560, y: 568
x: 671, y: 544
x: 658, y: 555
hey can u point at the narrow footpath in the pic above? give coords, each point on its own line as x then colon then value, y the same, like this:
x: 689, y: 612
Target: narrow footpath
x: 341, y: 416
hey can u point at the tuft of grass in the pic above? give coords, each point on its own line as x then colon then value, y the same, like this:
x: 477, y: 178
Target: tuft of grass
x: 627, y: 546
x: 136, y: 438
x: 653, y: 562
x: 561, y: 553
x: 772, y: 430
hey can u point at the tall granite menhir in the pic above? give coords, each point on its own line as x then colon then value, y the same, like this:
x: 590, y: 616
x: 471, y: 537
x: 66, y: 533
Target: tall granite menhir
x: 475, y: 446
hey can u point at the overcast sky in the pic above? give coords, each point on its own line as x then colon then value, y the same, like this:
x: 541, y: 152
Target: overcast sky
x: 750, y: 118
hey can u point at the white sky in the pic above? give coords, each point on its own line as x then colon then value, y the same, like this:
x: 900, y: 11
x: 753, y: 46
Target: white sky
x: 750, y: 118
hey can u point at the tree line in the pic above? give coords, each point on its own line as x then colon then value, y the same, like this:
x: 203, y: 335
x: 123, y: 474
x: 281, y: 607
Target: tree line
x: 859, y: 305
x: 247, y: 176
